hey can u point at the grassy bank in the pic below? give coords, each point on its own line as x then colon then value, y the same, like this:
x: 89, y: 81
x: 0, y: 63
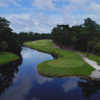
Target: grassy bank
x: 68, y: 63
x: 6, y: 57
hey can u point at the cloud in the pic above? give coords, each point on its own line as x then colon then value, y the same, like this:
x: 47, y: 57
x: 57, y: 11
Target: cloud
x: 43, y: 4
x: 27, y: 55
x: 6, y: 3
x: 14, y: 2
x: 42, y: 80
x: 42, y: 15
x: 80, y: 2
x: 21, y: 21
x: 33, y: 22
x: 94, y: 7
x: 40, y: 22
x: 69, y: 85
x: 2, y: 4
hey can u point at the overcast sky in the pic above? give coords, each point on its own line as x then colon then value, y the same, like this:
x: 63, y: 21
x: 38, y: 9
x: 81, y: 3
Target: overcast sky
x: 43, y: 15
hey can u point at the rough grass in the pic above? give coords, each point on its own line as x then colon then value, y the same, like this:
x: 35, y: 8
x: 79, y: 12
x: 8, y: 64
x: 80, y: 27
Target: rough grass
x: 6, y: 57
x: 68, y: 63
x: 93, y: 57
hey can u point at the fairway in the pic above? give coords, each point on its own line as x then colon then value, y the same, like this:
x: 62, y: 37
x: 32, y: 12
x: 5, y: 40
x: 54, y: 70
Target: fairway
x: 66, y: 63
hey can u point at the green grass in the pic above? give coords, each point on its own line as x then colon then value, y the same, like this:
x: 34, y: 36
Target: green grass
x: 6, y: 57
x: 68, y: 63
x: 93, y: 57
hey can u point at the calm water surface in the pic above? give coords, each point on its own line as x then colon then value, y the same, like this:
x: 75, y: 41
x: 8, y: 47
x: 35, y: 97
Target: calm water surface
x: 21, y: 81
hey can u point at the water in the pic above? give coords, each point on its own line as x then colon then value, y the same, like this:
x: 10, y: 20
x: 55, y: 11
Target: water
x: 21, y: 81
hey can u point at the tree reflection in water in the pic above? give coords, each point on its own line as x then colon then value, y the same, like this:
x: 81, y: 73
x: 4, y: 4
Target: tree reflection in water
x: 7, y: 74
x: 90, y: 87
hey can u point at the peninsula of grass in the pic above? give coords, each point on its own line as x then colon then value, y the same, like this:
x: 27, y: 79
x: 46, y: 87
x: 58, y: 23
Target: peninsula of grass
x: 6, y: 57
x: 66, y: 63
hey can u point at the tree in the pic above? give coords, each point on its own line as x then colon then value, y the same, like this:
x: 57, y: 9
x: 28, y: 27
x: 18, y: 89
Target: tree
x: 92, y: 29
x: 8, y: 39
x: 91, y: 25
x: 61, y: 35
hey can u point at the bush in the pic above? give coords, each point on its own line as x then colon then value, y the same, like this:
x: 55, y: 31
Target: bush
x: 3, y: 45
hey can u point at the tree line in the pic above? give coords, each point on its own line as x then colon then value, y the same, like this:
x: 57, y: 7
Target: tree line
x: 84, y: 37
x: 31, y: 36
x: 12, y: 41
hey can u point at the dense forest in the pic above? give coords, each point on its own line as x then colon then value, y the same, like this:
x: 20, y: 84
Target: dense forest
x: 84, y: 37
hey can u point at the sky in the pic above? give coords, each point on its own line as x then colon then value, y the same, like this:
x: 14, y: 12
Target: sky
x: 42, y: 15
